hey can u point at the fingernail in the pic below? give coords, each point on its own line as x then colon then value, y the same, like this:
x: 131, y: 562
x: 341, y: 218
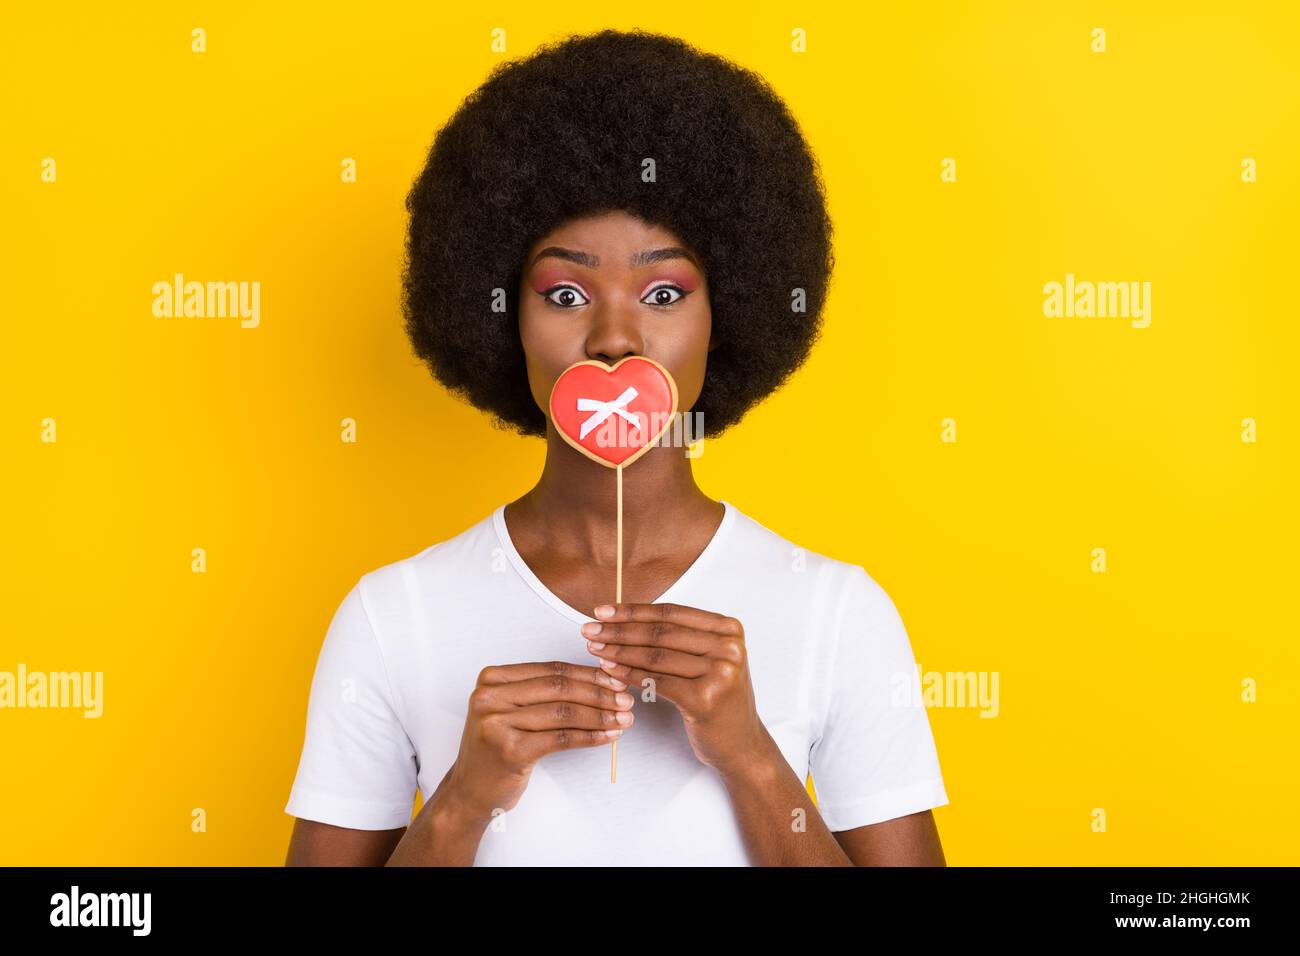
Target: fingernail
x: 624, y: 718
x: 607, y: 663
x: 613, y: 733
x: 591, y: 629
x: 623, y: 700
x: 595, y: 645
x: 605, y: 610
x: 616, y: 683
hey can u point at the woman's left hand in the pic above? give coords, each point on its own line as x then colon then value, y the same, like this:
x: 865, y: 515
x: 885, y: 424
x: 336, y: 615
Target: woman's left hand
x: 697, y: 660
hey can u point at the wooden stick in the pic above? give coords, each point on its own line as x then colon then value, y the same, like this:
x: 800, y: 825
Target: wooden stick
x: 618, y: 598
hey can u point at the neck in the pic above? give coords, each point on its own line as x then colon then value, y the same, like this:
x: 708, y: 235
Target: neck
x: 574, y: 503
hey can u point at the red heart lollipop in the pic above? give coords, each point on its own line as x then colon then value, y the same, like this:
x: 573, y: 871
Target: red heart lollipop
x: 614, y: 414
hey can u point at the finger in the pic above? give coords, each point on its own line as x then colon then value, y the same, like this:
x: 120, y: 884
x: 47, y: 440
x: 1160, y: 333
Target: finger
x: 561, y: 688
x: 665, y: 685
x: 656, y: 633
x: 659, y: 660
x: 537, y: 744
x: 495, y: 674
x: 676, y: 614
x: 555, y: 715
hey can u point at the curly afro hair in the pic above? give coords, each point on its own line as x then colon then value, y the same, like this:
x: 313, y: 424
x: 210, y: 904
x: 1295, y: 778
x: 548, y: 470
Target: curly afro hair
x: 563, y: 134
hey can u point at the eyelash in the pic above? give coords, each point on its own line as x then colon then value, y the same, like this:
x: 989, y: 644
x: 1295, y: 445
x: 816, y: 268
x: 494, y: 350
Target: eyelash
x: 681, y: 294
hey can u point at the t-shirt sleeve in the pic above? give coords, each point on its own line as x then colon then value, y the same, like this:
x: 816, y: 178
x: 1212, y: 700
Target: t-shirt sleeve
x: 875, y: 758
x: 358, y: 766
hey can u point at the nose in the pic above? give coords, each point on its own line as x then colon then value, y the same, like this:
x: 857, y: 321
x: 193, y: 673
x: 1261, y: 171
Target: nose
x: 615, y: 333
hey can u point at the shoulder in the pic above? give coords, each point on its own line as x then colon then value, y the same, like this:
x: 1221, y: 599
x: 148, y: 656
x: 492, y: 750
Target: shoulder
x: 803, y: 588
x: 765, y: 549
x: 441, y: 567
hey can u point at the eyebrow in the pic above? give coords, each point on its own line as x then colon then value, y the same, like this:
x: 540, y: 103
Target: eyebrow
x: 644, y: 258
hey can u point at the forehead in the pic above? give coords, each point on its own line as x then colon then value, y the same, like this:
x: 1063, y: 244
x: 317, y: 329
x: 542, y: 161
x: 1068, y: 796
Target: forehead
x: 607, y: 234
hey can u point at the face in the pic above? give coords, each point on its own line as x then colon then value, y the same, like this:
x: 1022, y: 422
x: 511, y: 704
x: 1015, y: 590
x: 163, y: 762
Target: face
x: 609, y: 286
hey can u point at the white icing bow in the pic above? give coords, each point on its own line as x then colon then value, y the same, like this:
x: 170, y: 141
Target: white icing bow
x: 604, y: 409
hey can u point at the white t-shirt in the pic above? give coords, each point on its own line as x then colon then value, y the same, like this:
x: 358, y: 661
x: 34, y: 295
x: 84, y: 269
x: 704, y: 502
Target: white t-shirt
x: 832, y: 668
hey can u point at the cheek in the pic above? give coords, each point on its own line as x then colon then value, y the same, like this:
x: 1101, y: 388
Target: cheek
x: 690, y: 353
x: 539, y: 337
x: 537, y: 351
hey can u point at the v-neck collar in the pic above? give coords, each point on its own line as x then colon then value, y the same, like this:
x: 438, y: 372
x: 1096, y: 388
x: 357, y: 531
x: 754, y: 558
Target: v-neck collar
x: 697, y: 567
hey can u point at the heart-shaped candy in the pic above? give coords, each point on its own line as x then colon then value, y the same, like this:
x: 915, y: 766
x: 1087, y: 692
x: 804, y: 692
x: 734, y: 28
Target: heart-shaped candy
x: 614, y: 414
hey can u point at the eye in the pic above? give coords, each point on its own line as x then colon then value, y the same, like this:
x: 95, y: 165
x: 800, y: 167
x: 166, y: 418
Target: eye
x: 565, y: 296
x: 658, y: 295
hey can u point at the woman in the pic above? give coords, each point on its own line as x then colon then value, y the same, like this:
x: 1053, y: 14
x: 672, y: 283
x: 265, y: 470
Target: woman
x: 614, y: 195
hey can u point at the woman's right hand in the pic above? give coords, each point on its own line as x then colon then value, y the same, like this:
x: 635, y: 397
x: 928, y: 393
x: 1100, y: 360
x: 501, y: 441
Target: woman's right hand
x: 519, y: 713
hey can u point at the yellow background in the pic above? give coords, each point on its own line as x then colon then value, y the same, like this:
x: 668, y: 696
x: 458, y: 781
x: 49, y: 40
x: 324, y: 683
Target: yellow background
x: 1119, y: 691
